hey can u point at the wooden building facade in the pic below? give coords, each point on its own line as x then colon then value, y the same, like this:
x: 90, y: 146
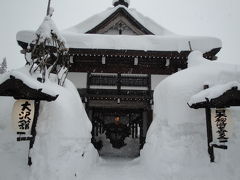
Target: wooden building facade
x: 117, y: 53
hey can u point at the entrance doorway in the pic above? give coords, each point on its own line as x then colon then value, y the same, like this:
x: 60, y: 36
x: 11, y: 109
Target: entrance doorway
x: 118, y: 132
x: 120, y: 108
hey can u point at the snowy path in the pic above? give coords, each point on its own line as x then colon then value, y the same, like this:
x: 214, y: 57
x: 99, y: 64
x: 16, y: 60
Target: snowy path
x: 118, y: 169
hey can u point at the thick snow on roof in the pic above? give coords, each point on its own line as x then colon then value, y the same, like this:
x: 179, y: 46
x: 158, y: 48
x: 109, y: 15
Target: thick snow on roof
x: 163, y: 40
x: 213, y: 92
x: 24, y: 75
x: 93, y: 21
x: 124, y: 42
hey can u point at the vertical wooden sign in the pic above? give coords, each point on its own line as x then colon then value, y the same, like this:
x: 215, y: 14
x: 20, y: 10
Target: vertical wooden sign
x: 23, y: 115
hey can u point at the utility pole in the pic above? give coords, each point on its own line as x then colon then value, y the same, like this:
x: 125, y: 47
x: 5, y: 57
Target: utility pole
x: 48, y: 8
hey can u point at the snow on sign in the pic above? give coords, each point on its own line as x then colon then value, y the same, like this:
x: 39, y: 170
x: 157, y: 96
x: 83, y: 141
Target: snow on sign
x: 221, y: 126
x: 22, y: 115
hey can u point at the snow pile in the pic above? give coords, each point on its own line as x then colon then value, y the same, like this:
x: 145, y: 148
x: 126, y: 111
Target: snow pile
x: 13, y: 155
x: 130, y: 150
x: 176, y: 144
x: 62, y: 149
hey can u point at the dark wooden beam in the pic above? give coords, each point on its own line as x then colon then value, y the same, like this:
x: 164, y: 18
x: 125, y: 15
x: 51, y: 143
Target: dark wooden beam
x: 209, y: 131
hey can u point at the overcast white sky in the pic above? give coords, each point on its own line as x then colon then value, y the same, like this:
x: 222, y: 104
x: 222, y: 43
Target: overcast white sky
x: 218, y: 18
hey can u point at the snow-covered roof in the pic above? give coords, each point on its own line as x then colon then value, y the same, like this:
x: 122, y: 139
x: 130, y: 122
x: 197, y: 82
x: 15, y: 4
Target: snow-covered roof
x: 213, y: 92
x: 23, y: 75
x: 126, y: 42
x: 95, y: 20
x: 162, y: 40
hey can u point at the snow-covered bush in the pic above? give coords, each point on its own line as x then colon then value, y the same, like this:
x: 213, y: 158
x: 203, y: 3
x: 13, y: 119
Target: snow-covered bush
x: 47, y: 53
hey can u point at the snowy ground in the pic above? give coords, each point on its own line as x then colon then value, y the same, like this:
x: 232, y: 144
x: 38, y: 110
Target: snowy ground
x: 118, y: 169
x: 13, y: 155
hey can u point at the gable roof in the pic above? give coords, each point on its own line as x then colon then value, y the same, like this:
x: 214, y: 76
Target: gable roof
x: 153, y: 36
x: 92, y: 24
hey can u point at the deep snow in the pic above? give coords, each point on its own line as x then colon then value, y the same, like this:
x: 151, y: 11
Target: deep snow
x: 63, y: 138
x: 176, y: 147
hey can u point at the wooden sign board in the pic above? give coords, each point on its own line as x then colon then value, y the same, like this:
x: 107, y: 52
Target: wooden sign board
x: 221, y: 125
x: 23, y: 115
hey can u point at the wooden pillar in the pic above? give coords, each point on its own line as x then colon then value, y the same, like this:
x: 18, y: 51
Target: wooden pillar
x: 136, y: 130
x: 149, y: 83
x: 48, y: 7
x: 88, y: 80
x: 144, y: 128
x: 209, y: 130
x: 33, y: 131
x: 119, y: 83
x: 90, y: 114
x: 145, y: 123
x: 132, y: 130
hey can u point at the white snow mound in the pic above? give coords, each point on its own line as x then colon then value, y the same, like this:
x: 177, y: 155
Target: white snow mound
x: 62, y: 149
x: 176, y: 144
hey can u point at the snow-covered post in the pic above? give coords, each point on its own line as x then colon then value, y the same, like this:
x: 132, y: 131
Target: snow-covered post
x: 209, y: 130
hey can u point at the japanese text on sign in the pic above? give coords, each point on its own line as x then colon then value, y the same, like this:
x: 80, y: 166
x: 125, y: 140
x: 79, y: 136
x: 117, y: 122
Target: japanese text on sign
x: 23, y: 114
x: 221, y: 125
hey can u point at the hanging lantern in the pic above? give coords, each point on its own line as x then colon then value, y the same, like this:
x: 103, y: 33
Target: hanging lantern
x: 23, y: 115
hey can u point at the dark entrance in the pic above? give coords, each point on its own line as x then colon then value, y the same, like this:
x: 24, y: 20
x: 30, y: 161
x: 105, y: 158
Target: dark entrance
x: 120, y: 115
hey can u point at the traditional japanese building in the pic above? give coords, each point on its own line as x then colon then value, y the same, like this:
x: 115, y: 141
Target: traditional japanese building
x: 117, y: 58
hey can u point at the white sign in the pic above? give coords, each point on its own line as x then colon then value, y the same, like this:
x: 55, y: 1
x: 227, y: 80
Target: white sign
x: 221, y: 126
x: 22, y: 115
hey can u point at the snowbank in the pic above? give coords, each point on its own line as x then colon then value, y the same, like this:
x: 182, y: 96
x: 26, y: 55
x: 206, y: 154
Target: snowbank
x: 176, y: 145
x: 13, y: 155
x: 62, y: 149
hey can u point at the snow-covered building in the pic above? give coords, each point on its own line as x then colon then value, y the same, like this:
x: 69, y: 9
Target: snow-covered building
x: 117, y: 58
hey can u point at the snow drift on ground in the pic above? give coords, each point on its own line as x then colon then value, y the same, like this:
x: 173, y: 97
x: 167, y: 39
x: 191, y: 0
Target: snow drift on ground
x: 176, y: 145
x: 13, y: 155
x: 62, y: 148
